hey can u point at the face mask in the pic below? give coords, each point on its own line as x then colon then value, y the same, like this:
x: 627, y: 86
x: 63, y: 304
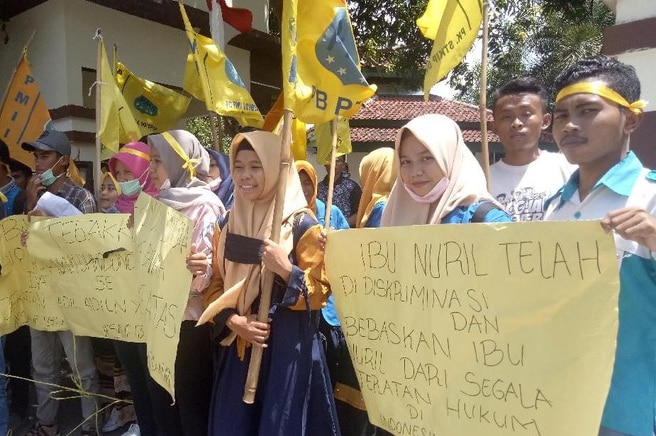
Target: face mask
x: 132, y: 187
x: 47, y: 177
x: 433, y: 195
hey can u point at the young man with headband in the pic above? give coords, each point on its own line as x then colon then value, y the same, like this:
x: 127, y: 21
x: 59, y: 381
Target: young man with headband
x: 597, y: 109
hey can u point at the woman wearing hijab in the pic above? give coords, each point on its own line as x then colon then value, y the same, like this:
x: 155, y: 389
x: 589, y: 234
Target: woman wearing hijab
x: 308, y: 176
x: 294, y: 396
x: 378, y: 172
x: 108, y: 193
x: 179, y: 164
x: 130, y: 167
x: 220, y: 179
x: 439, y: 179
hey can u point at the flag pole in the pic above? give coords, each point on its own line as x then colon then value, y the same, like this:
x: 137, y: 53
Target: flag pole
x: 331, y: 174
x: 267, y: 280
x: 97, y: 164
x: 482, y: 105
x: 214, y: 128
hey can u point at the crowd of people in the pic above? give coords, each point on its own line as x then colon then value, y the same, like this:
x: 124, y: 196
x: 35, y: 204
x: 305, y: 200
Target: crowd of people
x: 307, y: 382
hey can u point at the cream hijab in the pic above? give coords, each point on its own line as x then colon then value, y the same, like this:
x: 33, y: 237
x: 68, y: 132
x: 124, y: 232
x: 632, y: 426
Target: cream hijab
x: 377, y: 175
x: 253, y: 219
x: 443, y: 138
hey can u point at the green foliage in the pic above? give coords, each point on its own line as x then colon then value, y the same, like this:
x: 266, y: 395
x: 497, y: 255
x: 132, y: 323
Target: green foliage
x: 389, y: 41
x: 537, y: 38
x: 227, y: 128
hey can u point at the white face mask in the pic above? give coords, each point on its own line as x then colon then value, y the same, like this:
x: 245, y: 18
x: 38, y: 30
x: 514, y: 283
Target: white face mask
x: 438, y: 190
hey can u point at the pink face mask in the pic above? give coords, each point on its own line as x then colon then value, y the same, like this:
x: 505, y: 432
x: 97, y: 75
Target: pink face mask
x: 433, y: 195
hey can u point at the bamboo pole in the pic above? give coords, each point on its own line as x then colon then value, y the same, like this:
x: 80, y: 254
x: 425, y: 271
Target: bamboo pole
x: 331, y: 174
x: 216, y: 134
x: 97, y: 177
x: 482, y: 105
x: 267, y: 278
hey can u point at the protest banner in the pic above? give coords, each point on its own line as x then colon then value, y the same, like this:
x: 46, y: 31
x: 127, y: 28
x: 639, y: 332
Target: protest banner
x: 479, y: 329
x: 94, y: 276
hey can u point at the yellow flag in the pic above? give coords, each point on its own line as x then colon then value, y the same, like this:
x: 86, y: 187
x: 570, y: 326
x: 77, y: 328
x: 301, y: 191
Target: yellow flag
x: 211, y: 77
x: 453, y: 25
x: 324, y: 137
x: 116, y: 121
x: 155, y: 108
x: 321, y: 66
x: 273, y: 122
x: 23, y: 115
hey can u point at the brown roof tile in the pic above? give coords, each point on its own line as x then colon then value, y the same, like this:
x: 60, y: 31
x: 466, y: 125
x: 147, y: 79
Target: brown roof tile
x: 380, y: 117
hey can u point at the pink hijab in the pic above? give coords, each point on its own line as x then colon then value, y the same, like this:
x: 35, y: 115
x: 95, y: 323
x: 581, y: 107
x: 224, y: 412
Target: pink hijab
x: 136, y: 157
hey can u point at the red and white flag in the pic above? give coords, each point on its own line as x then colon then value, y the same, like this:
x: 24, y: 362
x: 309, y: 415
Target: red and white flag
x: 227, y: 20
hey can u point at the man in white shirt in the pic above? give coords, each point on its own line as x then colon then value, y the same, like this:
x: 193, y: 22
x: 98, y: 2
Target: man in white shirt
x: 597, y: 108
x: 526, y: 177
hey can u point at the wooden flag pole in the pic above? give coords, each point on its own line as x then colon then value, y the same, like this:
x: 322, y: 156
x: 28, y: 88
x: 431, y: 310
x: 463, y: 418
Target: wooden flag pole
x: 331, y: 174
x: 214, y: 128
x: 482, y: 105
x: 97, y: 176
x: 268, y: 276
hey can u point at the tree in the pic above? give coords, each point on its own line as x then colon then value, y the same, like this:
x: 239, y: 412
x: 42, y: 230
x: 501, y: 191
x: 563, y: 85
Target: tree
x: 538, y: 38
x: 389, y: 41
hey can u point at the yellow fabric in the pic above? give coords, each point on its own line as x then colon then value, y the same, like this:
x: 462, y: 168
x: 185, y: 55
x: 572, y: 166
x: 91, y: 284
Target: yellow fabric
x: 321, y: 71
x: 3, y: 198
x: 305, y: 166
x: 378, y: 172
x: 74, y: 173
x: 324, y: 139
x: 254, y: 219
x: 453, y: 25
x: 117, y: 124
x: 23, y: 115
x: 108, y: 175
x: 135, y: 152
x: 154, y: 107
x: 275, y: 114
x: 189, y: 164
x: 467, y: 185
x: 211, y: 77
x: 601, y: 90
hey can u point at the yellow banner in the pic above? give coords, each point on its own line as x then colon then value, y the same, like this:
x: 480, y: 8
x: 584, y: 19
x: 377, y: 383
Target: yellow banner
x: 94, y: 276
x: 321, y: 67
x: 212, y: 78
x: 117, y: 125
x: 155, y: 108
x: 453, y: 25
x: 324, y: 139
x: 479, y: 329
x: 24, y: 115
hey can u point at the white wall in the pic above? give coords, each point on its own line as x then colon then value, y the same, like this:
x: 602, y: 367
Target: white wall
x: 643, y: 61
x: 633, y: 10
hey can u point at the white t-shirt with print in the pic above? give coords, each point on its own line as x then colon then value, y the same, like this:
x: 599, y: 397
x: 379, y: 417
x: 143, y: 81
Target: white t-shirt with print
x: 523, y: 190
